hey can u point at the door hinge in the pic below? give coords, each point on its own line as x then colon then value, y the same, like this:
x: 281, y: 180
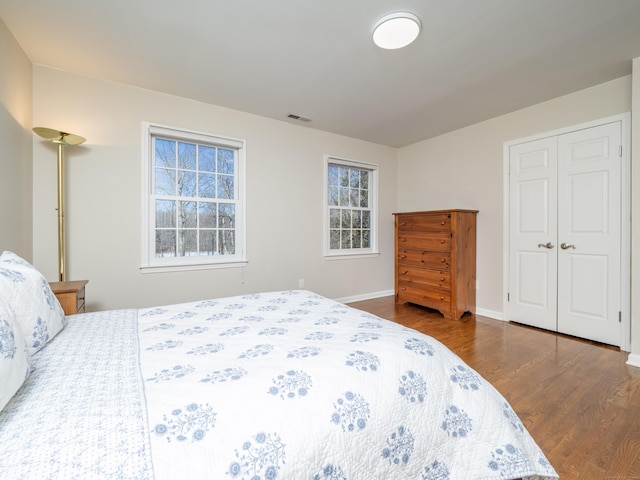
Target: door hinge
x: 620, y: 317
x: 508, y: 297
x: 620, y: 151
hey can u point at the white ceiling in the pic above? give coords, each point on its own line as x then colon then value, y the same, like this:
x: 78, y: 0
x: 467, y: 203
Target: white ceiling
x: 474, y: 60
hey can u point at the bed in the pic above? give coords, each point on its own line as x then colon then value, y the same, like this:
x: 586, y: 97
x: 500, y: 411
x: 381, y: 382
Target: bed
x: 276, y: 385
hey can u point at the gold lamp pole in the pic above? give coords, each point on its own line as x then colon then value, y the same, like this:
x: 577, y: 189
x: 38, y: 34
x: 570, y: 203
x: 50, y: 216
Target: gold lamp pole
x: 62, y: 139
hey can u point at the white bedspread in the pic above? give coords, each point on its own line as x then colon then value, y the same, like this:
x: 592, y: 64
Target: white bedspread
x: 286, y: 385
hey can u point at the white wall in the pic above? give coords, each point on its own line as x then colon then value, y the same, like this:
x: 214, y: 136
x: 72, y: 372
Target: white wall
x: 16, y: 141
x: 464, y: 169
x: 284, y: 199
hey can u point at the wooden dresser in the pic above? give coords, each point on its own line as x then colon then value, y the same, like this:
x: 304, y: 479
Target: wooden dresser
x: 436, y: 260
x: 70, y: 294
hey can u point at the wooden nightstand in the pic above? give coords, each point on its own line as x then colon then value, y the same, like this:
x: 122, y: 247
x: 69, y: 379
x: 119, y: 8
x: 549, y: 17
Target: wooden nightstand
x: 70, y: 294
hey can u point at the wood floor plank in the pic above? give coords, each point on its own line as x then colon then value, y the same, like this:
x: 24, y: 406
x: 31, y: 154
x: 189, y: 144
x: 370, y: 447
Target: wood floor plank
x: 578, y: 399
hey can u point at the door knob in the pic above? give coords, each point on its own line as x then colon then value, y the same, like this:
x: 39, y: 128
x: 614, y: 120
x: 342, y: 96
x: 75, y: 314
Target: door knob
x: 545, y: 245
x: 564, y: 246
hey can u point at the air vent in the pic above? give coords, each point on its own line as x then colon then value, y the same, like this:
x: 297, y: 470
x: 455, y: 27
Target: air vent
x: 293, y: 116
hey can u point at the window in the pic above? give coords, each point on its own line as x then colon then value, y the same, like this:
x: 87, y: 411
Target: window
x: 351, y: 198
x: 194, y: 209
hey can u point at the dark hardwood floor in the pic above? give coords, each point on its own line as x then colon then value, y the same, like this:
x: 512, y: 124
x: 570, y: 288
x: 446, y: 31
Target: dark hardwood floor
x: 578, y: 399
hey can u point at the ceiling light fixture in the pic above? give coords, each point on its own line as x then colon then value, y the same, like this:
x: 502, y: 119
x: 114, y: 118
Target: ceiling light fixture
x: 396, y: 30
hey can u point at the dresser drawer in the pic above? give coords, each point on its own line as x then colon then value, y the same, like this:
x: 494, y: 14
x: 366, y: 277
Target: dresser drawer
x: 433, y: 298
x: 425, y: 259
x: 424, y: 223
x: 425, y: 241
x: 425, y: 276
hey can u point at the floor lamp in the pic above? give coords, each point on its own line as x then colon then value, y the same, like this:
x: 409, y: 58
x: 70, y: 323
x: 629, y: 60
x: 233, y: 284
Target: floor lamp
x: 62, y: 139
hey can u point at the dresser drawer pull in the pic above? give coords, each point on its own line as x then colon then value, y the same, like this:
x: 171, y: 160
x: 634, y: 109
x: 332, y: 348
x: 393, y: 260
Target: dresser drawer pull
x: 442, y: 222
x: 405, y: 272
x: 442, y: 260
x: 442, y: 242
x: 403, y: 256
x: 403, y: 224
x: 402, y: 239
x: 441, y: 298
x: 442, y: 279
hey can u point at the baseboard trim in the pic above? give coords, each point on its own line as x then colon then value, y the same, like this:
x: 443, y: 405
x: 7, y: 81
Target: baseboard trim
x: 633, y: 360
x: 365, y: 296
x: 490, y: 313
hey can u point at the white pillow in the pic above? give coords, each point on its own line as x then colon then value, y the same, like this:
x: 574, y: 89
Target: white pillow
x: 36, y: 309
x: 14, y: 361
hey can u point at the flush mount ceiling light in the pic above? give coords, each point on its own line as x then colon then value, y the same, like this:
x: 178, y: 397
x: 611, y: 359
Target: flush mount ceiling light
x: 396, y: 30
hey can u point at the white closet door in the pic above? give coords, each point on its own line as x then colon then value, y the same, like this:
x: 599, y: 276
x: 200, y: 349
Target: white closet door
x: 565, y: 233
x: 533, y: 222
x: 589, y: 183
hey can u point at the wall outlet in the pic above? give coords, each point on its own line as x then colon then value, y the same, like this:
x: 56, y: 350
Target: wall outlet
x: 301, y: 283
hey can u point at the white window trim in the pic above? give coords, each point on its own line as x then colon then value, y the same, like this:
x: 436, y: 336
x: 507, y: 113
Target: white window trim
x: 352, y: 253
x: 149, y: 263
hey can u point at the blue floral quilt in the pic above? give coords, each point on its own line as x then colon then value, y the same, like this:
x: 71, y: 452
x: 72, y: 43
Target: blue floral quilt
x: 281, y: 385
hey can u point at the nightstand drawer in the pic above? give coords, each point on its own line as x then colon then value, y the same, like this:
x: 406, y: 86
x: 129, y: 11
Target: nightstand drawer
x: 71, y: 295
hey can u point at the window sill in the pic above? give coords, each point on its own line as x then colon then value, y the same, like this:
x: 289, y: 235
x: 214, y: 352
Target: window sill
x: 350, y: 256
x: 196, y: 266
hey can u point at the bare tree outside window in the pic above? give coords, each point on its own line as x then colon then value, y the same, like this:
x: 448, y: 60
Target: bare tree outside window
x: 195, y: 198
x: 349, y: 198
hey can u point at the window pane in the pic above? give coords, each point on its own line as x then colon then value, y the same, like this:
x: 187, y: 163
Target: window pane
x: 165, y: 214
x: 366, y: 219
x: 354, y: 181
x: 207, y: 185
x: 364, y: 179
x: 208, y: 242
x: 225, y: 187
x: 208, y: 213
x: 355, y: 239
x: 356, y: 219
x: 165, y: 153
x: 227, y: 215
x: 364, y: 198
x: 344, y: 197
x: 187, y: 243
x: 354, y: 199
x: 187, y: 156
x: 343, y: 174
x: 366, y: 239
x: 186, y: 183
x: 334, y: 196
x: 165, y: 181
x: 227, y: 244
x: 346, y: 239
x: 225, y: 161
x: 333, y: 175
x: 206, y: 159
x: 165, y: 243
x: 334, y: 239
x: 346, y: 218
x: 334, y: 218
x: 187, y: 215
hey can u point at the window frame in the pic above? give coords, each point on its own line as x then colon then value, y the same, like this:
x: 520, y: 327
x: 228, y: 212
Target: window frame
x: 150, y: 263
x: 372, y: 251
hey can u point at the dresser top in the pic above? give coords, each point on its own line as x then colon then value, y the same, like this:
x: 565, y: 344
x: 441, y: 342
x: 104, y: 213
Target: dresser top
x: 436, y: 211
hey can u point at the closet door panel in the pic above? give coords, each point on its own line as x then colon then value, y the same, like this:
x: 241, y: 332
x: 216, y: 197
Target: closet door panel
x: 589, y: 173
x: 533, y: 221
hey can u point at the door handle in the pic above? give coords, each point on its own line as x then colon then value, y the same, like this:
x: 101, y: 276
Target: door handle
x: 546, y: 245
x: 564, y: 246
